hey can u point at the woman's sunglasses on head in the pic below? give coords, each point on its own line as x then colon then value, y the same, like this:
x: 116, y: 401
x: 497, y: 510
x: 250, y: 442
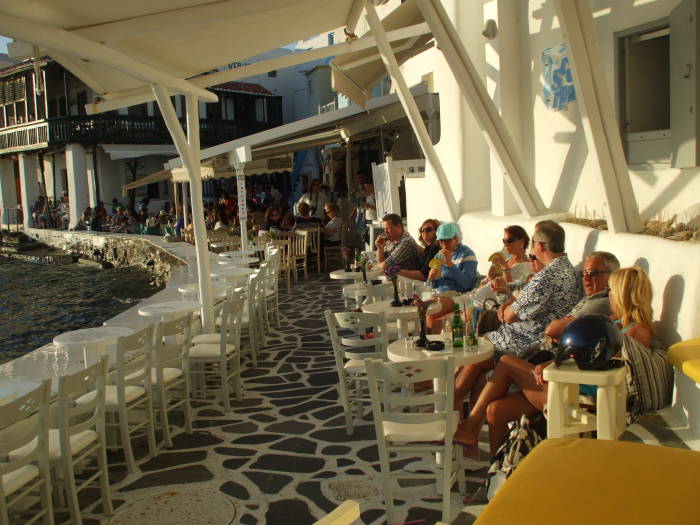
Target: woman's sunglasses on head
x: 427, y: 229
x: 508, y: 240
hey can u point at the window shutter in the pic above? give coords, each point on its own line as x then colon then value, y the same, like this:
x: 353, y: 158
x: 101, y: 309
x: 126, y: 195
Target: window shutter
x: 685, y: 117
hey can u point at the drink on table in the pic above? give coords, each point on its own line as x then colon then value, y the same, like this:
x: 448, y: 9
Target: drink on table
x: 457, y: 329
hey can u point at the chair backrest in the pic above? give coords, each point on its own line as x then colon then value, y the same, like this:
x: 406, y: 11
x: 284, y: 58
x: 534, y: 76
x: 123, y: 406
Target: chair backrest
x: 391, y: 405
x: 284, y: 246
x: 72, y: 418
x: 256, y: 299
x: 298, y: 243
x: 177, y: 355
x: 313, y: 237
x: 379, y: 292
x: 231, y: 317
x: 348, y: 332
x: 134, y: 354
x: 23, y: 419
x: 260, y: 244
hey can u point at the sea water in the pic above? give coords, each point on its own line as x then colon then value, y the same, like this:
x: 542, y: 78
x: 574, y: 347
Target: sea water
x: 38, y: 301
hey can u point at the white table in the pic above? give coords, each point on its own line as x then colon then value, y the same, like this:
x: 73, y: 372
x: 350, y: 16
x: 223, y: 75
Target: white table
x: 341, y: 274
x: 400, y: 314
x: 100, y: 335
x: 192, y: 289
x: 239, y: 261
x: 168, y: 309
x: 224, y: 272
x: 397, y: 352
x: 238, y: 253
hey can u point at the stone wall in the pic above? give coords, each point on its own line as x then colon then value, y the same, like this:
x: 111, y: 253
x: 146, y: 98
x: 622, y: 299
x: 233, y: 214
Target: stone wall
x: 113, y: 249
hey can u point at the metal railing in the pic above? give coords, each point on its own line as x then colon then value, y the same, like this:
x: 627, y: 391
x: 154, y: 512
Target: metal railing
x: 116, y: 129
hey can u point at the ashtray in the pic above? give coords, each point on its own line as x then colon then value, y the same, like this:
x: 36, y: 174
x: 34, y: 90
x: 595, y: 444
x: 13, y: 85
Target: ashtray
x: 435, y: 346
x: 407, y: 302
x: 376, y: 281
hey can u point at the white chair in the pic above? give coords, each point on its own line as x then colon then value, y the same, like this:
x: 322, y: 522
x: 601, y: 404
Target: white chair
x: 171, y: 371
x: 299, y: 244
x: 81, y: 434
x: 130, y: 392
x: 253, y: 321
x: 222, y: 349
x: 25, y: 424
x: 286, y: 264
x: 400, y: 428
x: 350, y: 350
x: 271, y: 287
x: 344, y: 514
x: 564, y: 415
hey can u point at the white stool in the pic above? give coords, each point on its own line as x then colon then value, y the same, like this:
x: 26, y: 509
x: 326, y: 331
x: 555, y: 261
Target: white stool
x: 565, y: 417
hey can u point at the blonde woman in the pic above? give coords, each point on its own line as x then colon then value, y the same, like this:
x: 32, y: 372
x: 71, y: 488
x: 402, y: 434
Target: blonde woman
x: 630, y: 301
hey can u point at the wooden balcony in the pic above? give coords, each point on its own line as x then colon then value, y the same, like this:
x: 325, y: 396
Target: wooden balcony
x: 115, y: 129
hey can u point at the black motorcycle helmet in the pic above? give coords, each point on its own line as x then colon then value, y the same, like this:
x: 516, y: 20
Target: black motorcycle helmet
x: 592, y: 341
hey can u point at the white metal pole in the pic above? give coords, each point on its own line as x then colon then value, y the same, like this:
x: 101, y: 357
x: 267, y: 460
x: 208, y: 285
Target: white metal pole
x: 409, y: 105
x: 186, y: 203
x: 348, y: 167
x: 242, y: 207
x: 190, y: 156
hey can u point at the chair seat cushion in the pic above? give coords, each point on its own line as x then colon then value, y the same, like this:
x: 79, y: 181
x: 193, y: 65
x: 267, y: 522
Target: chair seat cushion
x: 355, y: 366
x: 209, y: 350
x: 12, y: 481
x: 169, y: 374
x: 131, y: 392
x: 413, y: 432
x: 77, y: 443
x: 206, y: 339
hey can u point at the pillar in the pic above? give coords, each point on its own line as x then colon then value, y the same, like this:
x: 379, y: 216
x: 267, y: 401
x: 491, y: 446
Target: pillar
x: 29, y: 185
x: 78, y: 189
x: 8, y: 193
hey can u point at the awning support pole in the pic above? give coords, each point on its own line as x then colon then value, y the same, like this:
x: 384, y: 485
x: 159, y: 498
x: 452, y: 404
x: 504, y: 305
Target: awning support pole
x: 597, y: 114
x: 238, y: 158
x: 188, y: 148
x: 348, y: 167
x: 185, y: 205
x: 409, y: 105
x: 485, y: 111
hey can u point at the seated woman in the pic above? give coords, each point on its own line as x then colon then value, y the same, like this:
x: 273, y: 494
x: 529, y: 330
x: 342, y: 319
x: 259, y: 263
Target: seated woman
x: 630, y: 301
x: 428, y: 248
x: 331, y: 232
x: 515, y: 244
x: 457, y: 272
x: 272, y: 220
x: 304, y: 219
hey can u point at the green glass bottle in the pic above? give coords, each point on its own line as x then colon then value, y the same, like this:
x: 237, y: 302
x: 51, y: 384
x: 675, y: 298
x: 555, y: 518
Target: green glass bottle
x: 457, y: 329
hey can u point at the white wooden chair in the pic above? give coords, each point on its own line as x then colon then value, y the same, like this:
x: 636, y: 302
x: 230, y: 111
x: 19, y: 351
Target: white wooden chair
x: 25, y: 424
x: 81, y: 434
x: 253, y: 321
x: 344, y: 514
x: 171, y: 371
x: 271, y: 286
x: 222, y: 349
x: 130, y: 392
x: 350, y: 350
x: 402, y: 428
x: 284, y: 246
x: 314, y: 238
x: 298, y: 248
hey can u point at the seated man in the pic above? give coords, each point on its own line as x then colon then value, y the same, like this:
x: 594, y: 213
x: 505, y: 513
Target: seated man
x: 457, y: 273
x: 331, y: 233
x: 395, y: 246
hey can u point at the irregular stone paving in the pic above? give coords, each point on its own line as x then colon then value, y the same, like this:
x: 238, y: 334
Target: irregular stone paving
x: 282, y: 455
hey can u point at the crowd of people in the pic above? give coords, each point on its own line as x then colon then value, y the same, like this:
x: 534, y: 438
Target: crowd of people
x: 269, y: 211
x: 539, y: 294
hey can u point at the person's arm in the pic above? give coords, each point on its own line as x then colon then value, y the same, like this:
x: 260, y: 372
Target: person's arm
x: 640, y: 333
x: 380, y: 243
x: 464, y: 273
x: 557, y: 327
x: 416, y: 275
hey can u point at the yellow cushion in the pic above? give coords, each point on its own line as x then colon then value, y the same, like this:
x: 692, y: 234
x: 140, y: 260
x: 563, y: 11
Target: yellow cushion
x: 685, y: 356
x: 589, y: 481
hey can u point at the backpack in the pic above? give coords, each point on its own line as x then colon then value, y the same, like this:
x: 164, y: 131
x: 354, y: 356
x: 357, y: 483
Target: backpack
x: 523, y: 435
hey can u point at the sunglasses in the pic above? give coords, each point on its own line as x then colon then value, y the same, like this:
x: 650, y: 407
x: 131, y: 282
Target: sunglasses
x: 593, y: 273
x: 427, y: 229
x: 508, y: 240
x: 532, y: 257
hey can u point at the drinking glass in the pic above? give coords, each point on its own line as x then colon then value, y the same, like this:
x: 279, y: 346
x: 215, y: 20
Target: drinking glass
x: 447, y: 330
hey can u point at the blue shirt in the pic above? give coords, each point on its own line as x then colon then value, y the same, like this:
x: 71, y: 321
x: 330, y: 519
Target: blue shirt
x: 462, y: 275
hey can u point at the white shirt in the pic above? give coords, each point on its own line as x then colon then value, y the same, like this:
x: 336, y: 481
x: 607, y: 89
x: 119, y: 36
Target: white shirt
x: 317, y: 201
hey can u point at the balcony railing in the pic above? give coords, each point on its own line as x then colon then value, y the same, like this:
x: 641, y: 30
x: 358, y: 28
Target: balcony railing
x: 116, y: 129
x: 24, y: 137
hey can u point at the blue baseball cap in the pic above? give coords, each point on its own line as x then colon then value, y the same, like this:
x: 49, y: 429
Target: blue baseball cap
x: 447, y: 230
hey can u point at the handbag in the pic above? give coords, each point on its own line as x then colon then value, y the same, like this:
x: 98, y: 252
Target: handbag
x: 488, y: 318
x: 523, y: 435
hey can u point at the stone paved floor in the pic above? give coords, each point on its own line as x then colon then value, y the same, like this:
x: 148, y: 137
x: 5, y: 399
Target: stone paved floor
x: 282, y: 454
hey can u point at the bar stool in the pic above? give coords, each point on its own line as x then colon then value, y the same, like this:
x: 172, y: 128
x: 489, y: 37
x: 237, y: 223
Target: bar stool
x: 564, y: 415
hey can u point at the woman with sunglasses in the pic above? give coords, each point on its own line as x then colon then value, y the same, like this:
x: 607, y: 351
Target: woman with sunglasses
x: 428, y: 246
x: 515, y: 243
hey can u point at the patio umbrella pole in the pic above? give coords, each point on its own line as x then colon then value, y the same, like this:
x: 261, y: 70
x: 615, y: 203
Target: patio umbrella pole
x: 188, y: 148
x: 242, y: 207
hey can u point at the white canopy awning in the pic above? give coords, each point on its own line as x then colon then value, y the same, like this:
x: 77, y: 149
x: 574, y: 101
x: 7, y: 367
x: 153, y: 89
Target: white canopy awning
x: 132, y: 151
x: 354, y: 74
x: 333, y: 127
x: 121, y: 47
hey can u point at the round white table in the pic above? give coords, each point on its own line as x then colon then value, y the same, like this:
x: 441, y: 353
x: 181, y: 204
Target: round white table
x: 191, y: 289
x: 400, y: 314
x: 341, y: 274
x: 224, y: 272
x: 397, y: 352
x: 99, y: 335
x: 239, y: 261
x: 168, y: 309
x: 237, y: 253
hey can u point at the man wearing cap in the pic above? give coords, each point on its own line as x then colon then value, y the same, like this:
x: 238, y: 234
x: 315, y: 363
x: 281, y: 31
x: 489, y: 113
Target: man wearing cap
x: 456, y: 273
x: 396, y: 247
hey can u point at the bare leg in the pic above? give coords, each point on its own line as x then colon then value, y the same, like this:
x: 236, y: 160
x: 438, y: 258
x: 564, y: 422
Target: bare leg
x: 510, y: 370
x: 502, y: 411
x: 467, y: 377
x: 434, y: 321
